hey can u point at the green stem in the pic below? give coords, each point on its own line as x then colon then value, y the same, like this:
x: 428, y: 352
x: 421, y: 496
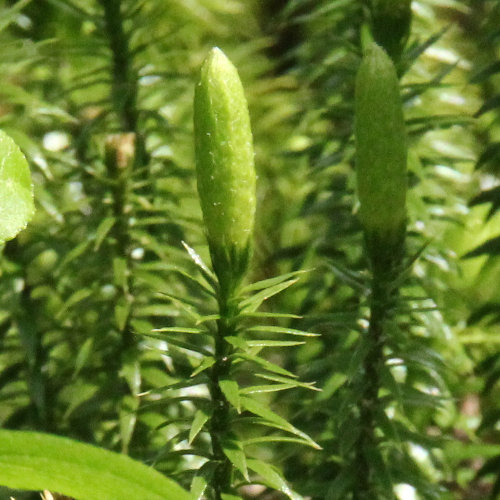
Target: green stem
x: 27, y: 319
x: 380, y: 304
x: 120, y: 156
x: 124, y: 90
x: 220, y: 421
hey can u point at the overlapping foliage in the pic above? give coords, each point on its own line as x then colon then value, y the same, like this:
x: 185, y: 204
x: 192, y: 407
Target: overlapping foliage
x: 107, y: 322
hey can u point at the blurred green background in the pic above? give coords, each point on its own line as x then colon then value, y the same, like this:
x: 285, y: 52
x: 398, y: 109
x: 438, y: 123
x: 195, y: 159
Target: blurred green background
x: 87, y: 275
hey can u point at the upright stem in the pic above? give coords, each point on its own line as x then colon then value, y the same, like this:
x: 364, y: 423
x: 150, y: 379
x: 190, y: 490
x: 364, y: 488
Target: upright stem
x: 120, y: 155
x: 124, y: 91
x: 220, y: 421
x: 128, y: 147
x: 380, y: 304
x: 27, y: 319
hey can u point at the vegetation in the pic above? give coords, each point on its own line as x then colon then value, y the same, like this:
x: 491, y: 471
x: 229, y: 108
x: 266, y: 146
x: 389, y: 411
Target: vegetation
x: 325, y: 181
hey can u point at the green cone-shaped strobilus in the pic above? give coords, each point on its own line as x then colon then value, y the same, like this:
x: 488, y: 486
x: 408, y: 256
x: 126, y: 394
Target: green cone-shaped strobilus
x: 390, y: 23
x: 381, y: 155
x: 225, y: 166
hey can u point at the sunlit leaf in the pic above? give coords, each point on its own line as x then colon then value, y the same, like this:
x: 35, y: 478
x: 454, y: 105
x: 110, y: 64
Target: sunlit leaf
x: 279, y: 329
x: 35, y: 461
x: 263, y: 411
x: 206, y: 363
x: 16, y: 191
x: 231, y: 390
x: 199, y: 420
x: 272, y: 477
x: 233, y: 450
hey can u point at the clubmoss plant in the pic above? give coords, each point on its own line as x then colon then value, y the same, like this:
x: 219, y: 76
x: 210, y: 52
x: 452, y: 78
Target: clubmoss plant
x: 226, y: 185
x: 382, y: 184
x: 122, y: 71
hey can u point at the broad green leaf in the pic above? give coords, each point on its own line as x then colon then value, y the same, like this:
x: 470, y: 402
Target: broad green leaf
x: 199, y: 420
x: 225, y: 496
x: 16, y: 191
x: 36, y: 461
x: 231, y: 391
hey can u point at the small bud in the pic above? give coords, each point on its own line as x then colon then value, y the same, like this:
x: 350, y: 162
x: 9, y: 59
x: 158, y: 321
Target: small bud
x: 120, y: 151
x: 390, y: 21
x: 224, y: 165
x: 381, y: 153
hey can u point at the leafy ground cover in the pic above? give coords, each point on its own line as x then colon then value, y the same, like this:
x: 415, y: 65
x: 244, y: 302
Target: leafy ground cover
x: 123, y: 327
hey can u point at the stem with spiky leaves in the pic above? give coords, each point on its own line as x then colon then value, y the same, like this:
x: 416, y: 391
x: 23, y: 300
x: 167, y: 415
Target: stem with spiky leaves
x: 226, y: 185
